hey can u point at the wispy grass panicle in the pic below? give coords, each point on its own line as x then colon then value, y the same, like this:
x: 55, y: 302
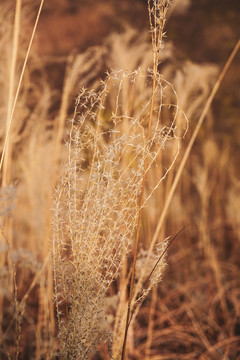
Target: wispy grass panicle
x: 97, y: 201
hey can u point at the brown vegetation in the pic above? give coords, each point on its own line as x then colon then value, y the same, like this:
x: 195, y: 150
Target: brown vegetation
x: 133, y: 165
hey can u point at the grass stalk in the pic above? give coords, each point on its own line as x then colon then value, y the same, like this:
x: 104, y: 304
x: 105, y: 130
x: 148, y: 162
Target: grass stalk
x: 191, y: 142
x: 6, y: 165
x: 6, y: 174
x: 9, y: 125
x: 178, y: 175
x: 157, y: 26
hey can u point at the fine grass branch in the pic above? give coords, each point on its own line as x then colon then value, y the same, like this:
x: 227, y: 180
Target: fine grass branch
x: 157, y: 17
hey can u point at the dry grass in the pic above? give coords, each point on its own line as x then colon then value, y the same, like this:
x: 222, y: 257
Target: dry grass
x: 132, y: 164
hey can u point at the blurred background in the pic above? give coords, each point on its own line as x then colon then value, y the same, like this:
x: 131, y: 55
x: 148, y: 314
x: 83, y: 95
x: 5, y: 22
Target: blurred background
x: 195, y: 312
x: 200, y: 31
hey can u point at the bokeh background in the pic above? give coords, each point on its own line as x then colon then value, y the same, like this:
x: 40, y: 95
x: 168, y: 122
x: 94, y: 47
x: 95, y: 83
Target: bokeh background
x: 195, y: 312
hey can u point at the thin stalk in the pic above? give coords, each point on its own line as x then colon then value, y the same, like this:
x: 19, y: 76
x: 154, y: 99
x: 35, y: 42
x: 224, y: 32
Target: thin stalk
x: 6, y: 175
x: 9, y: 125
x: 191, y: 142
x: 156, y: 40
x: 138, y: 225
x: 185, y: 157
x: 11, y: 85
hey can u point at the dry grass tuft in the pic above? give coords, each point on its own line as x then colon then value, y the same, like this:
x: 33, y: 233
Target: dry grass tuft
x: 97, y: 202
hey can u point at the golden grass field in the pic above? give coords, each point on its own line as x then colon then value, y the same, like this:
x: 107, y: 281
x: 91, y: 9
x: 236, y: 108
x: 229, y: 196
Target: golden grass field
x: 119, y: 199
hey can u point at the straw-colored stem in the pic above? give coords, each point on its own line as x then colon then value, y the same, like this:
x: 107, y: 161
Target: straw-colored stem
x: 6, y: 165
x: 157, y: 36
x: 6, y: 175
x: 186, y: 155
x: 135, y: 252
x: 191, y: 142
x: 19, y: 85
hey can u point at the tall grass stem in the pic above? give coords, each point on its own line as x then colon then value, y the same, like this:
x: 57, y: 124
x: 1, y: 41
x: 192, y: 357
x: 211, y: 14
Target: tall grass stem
x: 19, y: 84
x: 191, y: 142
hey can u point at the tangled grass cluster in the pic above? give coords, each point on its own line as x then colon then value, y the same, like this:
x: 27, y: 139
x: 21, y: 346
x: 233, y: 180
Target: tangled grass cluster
x: 97, y: 201
x: 116, y: 136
